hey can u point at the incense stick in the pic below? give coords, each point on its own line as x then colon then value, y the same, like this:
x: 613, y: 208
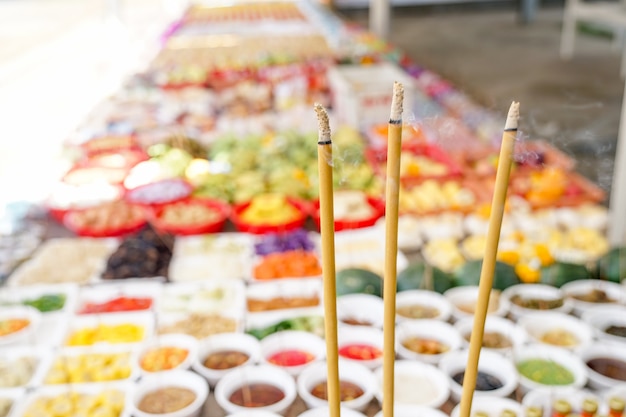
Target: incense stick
x: 392, y: 189
x: 327, y: 230
x: 489, y: 261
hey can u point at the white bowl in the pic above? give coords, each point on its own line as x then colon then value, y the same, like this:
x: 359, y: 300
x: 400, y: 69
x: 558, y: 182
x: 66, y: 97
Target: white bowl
x: 405, y: 410
x: 468, y: 295
x: 325, y: 412
x: 427, y: 329
x: 602, y: 318
x: 349, y: 372
x: 618, y: 391
x: 406, y: 375
x: 362, y: 307
x: 368, y: 336
x: 107, y: 291
x: 41, y: 354
x: 240, y: 342
x: 536, y: 291
x: 505, y: 327
x: 254, y: 413
x: 178, y: 379
x: 560, y: 356
x: 25, y: 335
x: 489, y: 362
x: 544, y: 399
x: 267, y: 374
x: 32, y: 292
x: 492, y: 406
x: 424, y: 298
x: 142, y: 320
x: 600, y: 350
x: 538, y: 324
x: 182, y: 341
x: 613, y: 290
x: 293, y: 340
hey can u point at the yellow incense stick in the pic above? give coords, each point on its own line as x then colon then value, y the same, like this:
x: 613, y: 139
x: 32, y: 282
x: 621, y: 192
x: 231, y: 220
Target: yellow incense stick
x: 327, y: 229
x: 489, y: 260
x: 392, y: 190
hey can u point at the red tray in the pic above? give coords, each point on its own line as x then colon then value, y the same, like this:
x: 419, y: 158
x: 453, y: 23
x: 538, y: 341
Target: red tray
x: 302, y: 206
x: 117, y: 158
x: 70, y: 222
x: 214, y: 226
x: 377, y: 156
x: 379, y: 211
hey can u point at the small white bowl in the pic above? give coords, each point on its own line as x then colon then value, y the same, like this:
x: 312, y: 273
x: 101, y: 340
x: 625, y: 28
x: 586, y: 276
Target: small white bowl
x: 178, y: 379
x: 613, y: 290
x: 538, y: 324
x: 182, y: 341
x: 544, y: 399
x: 427, y: 329
x: 468, y: 295
x: 91, y: 321
x: 293, y: 340
x: 492, y: 406
x: 424, y: 298
x: 618, y: 391
x: 362, y: 307
x: 325, y: 412
x: 560, y: 356
x: 602, y: 318
x: 25, y: 335
x: 368, y: 336
x: 407, y: 389
x: 254, y: 413
x: 107, y: 291
x: 42, y: 355
x: 15, y: 396
x: 239, y: 342
x: 495, y: 324
x: 489, y: 362
x: 405, y: 410
x: 597, y: 380
x: 267, y: 374
x: 535, y: 291
x: 349, y: 372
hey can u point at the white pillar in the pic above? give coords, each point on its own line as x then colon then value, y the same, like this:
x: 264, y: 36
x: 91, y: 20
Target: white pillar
x: 380, y: 11
x: 617, y: 218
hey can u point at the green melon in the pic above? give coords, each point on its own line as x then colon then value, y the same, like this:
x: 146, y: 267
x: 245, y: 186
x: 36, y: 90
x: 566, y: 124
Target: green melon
x: 469, y: 274
x: 560, y: 273
x: 415, y: 277
x: 612, y: 266
x: 358, y: 281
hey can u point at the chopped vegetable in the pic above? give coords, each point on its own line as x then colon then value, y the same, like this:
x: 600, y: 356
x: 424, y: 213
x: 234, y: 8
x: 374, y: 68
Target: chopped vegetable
x: 545, y: 372
x: 118, y: 304
x: 290, y: 264
x: 120, y: 333
x: 163, y: 358
x: 12, y: 325
x: 108, y: 403
x: 47, y: 303
x: 91, y: 367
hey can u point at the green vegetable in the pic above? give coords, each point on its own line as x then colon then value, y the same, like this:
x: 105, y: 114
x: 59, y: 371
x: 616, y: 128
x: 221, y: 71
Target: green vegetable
x: 469, y: 274
x: 313, y: 324
x: 545, y: 372
x: 416, y: 277
x: 47, y: 303
x: 612, y: 266
x: 560, y: 273
x: 358, y: 281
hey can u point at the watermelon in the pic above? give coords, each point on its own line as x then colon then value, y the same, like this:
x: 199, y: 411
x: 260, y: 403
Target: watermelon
x: 469, y: 274
x: 612, y: 266
x: 358, y: 281
x: 560, y: 273
x: 414, y: 278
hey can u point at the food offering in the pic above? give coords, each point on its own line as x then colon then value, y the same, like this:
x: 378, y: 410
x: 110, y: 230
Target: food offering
x: 464, y: 299
x: 290, y: 296
x: 178, y: 391
x: 363, y: 345
x: 431, y: 197
x: 18, y: 324
x: 606, y: 365
x: 195, y: 257
x: 191, y: 217
x: 212, y: 297
x: 112, y: 219
x: 268, y: 213
x: 500, y: 334
x: 353, y: 209
x: 65, y: 197
x: 95, y: 366
x: 167, y: 353
x: 166, y: 400
x: 20, y: 366
x: 113, y: 297
x: 292, y: 350
x: 49, y: 300
x: 289, y: 264
x: 542, y: 367
x: 531, y: 298
x: 421, y: 304
x: 160, y: 192
x: 427, y: 340
x: 197, y: 325
x: 83, y: 260
x: 121, y: 328
x: 143, y: 255
x: 65, y: 402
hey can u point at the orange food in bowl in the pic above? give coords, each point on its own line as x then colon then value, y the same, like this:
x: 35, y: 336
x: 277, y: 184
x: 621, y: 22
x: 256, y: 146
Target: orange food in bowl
x: 295, y: 263
x: 163, y: 358
x: 12, y: 325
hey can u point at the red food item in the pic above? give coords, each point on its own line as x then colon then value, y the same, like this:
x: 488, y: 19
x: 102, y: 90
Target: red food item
x: 290, y: 357
x: 118, y: 304
x: 360, y: 352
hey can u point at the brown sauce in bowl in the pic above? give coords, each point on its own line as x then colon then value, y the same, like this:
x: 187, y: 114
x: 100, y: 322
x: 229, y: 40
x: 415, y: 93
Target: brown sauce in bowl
x: 166, y: 400
x: 256, y: 395
x: 226, y: 359
x: 348, y: 391
x: 609, y: 367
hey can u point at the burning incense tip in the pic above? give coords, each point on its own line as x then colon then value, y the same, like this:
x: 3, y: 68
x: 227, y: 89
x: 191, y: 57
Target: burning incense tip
x: 396, y: 102
x: 513, y: 117
x: 323, y: 123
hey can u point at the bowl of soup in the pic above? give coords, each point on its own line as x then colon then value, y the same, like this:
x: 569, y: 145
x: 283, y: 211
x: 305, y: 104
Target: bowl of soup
x: 464, y: 299
x: 422, y: 304
x: 173, y: 394
x: 426, y: 340
x: 589, y: 294
x: 500, y: 335
x: 292, y: 350
x: 606, y: 365
x: 356, y: 385
x: 259, y: 387
x: 167, y: 353
x: 557, y: 329
x: 221, y: 353
x: 360, y: 310
x: 362, y: 345
x: 609, y: 323
x: 533, y: 298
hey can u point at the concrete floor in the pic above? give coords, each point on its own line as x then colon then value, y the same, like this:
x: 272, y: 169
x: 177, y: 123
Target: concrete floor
x: 484, y: 51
